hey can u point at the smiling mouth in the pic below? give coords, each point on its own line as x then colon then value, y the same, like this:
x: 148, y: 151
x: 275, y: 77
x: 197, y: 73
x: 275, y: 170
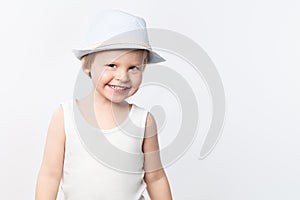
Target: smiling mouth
x: 118, y: 87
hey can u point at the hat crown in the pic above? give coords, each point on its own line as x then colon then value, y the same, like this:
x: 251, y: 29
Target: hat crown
x: 115, y: 29
x: 113, y: 23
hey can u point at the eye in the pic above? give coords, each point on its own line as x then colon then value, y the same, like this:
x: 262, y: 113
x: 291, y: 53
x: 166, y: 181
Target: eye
x: 134, y: 68
x: 111, y: 65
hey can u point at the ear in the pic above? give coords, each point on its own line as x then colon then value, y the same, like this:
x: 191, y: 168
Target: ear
x: 87, y: 71
x: 85, y: 68
x: 145, y: 60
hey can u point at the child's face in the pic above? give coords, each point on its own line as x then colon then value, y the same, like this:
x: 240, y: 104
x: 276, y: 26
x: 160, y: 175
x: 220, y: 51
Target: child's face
x: 117, y: 74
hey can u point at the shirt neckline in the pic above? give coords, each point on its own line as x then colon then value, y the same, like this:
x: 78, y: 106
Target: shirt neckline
x: 115, y: 129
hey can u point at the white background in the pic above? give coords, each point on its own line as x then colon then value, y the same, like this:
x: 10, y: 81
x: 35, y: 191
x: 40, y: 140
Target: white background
x: 255, y: 46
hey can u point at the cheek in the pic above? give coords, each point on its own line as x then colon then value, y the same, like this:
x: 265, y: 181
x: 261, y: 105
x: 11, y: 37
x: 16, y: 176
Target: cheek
x: 101, y: 77
x: 136, y: 79
x: 136, y: 82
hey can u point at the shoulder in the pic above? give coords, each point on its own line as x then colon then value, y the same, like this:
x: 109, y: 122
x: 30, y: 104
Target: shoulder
x: 67, y: 103
x: 140, y: 112
x: 147, y: 115
x: 57, y: 120
x: 52, y: 163
x: 150, y: 120
x: 56, y: 130
x: 57, y: 123
x: 138, y: 107
x: 150, y: 137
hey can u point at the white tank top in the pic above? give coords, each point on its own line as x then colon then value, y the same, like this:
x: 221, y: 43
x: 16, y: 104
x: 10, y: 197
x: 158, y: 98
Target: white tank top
x: 85, y: 177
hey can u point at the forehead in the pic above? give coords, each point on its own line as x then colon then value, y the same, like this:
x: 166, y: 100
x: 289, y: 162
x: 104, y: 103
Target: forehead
x: 120, y: 55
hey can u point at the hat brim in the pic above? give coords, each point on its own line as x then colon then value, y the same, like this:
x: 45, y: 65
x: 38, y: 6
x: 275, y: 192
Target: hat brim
x: 153, y: 57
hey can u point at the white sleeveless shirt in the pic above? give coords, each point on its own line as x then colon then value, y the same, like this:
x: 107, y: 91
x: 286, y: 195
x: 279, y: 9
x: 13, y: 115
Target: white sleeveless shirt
x: 87, y: 176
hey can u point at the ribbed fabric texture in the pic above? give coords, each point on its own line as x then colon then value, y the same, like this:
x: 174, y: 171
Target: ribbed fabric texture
x: 85, y: 178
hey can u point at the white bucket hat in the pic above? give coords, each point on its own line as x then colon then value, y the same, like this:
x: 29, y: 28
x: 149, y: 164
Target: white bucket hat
x: 115, y: 29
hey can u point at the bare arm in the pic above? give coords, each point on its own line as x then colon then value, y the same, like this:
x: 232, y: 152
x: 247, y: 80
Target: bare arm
x: 155, y: 177
x: 50, y: 173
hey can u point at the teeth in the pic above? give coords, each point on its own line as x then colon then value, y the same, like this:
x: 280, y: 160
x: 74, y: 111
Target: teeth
x: 118, y: 88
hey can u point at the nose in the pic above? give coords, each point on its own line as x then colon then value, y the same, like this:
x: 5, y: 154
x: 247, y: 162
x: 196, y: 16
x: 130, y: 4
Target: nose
x: 122, y: 75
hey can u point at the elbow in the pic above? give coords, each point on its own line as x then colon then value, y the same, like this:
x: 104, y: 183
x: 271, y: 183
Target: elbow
x: 151, y: 177
x: 52, y: 174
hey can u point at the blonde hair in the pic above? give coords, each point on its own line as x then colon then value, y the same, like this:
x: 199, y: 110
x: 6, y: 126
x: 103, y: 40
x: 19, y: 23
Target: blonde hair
x: 88, y: 60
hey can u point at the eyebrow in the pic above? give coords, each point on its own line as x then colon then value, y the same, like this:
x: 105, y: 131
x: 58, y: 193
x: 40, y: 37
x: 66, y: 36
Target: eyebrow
x: 117, y: 63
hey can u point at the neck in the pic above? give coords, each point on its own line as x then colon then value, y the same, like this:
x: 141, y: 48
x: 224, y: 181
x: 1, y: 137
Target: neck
x: 101, y: 102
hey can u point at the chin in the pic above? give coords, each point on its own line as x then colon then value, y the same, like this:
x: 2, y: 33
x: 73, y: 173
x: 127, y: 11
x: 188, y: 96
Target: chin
x: 117, y: 100
x: 132, y: 93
